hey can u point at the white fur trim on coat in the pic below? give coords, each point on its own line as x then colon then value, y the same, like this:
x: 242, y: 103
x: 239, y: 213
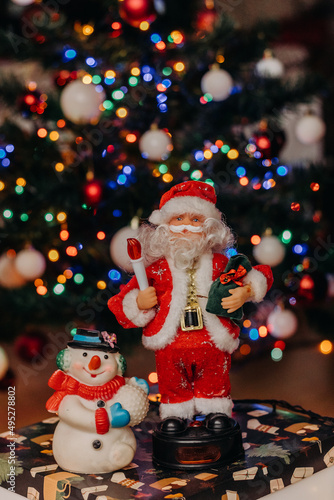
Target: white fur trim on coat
x: 214, y: 405
x: 184, y: 204
x: 176, y: 307
x: 137, y: 316
x: 258, y: 282
x: 181, y: 410
x: 218, y: 332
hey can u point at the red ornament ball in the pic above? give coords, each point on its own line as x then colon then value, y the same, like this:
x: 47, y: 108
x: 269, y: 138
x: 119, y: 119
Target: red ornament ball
x: 134, y: 12
x: 93, y: 192
x: 29, y: 345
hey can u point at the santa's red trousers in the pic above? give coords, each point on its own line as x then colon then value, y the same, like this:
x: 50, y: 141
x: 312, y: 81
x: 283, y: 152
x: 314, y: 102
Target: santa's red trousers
x: 192, y: 367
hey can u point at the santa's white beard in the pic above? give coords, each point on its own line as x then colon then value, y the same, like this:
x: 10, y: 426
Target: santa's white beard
x: 158, y: 242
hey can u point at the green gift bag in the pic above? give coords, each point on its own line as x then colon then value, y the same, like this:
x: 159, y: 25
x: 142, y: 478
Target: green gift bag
x: 236, y: 269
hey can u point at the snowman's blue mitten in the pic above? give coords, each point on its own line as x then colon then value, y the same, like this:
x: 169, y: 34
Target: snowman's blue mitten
x: 142, y: 384
x: 119, y: 416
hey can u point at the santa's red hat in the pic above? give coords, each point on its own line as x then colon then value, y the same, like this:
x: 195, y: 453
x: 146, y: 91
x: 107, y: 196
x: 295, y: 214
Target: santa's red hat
x: 194, y: 197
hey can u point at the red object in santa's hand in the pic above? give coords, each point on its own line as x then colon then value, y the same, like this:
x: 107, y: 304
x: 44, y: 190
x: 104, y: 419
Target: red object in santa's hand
x: 134, y: 249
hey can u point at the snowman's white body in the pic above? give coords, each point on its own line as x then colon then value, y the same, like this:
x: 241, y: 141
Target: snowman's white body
x: 77, y: 447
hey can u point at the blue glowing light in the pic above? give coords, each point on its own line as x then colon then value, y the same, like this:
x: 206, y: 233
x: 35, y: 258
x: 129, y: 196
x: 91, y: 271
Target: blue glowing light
x: 214, y: 149
x: 199, y: 155
x: 9, y: 148
x: 268, y: 175
x: 121, y: 179
x: 99, y: 89
x: 79, y: 246
x: 5, y: 162
x: 117, y: 213
x: 300, y: 249
x: 104, y: 153
x: 161, y: 98
x: 114, y: 275
x: 155, y: 38
x: 127, y: 170
x: 146, y: 69
x: 2, y: 153
x: 147, y: 77
x: 230, y: 252
x: 70, y: 54
x: 166, y: 82
x: 257, y: 154
x: 91, y: 62
x: 163, y: 108
x: 112, y: 184
x: 282, y: 171
x: 253, y: 334
x: 109, y: 81
x: 267, y: 185
x: 241, y: 171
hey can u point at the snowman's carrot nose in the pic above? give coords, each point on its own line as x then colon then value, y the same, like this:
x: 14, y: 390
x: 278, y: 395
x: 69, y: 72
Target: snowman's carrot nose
x: 94, y: 363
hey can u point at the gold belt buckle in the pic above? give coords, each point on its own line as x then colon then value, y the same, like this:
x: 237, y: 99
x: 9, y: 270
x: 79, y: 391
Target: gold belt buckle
x: 192, y: 319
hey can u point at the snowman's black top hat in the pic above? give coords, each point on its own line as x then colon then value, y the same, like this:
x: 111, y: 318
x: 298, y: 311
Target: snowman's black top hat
x: 93, y: 339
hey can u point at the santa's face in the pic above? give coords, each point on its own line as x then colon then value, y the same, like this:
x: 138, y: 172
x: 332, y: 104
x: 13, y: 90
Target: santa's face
x: 93, y: 367
x: 187, y: 225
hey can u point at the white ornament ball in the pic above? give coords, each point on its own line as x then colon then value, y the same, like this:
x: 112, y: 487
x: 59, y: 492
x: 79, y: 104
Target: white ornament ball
x: 269, y: 67
x: 218, y: 83
x: 80, y: 102
x: 119, y: 246
x: 9, y: 276
x: 135, y: 400
x: 310, y: 129
x: 155, y: 145
x: 23, y: 3
x: 4, y: 363
x: 269, y: 251
x: 30, y: 264
x: 282, y: 323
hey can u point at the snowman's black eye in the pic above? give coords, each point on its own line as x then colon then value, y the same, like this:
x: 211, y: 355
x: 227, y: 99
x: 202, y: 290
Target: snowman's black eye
x: 106, y: 356
x: 84, y: 354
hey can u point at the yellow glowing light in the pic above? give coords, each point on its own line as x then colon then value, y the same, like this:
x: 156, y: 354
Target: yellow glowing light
x: 61, y: 279
x: 53, y: 255
x: 2, y: 186
x: 61, y: 123
x: 122, y: 112
x: 32, y: 86
x: 247, y: 323
x: 208, y: 154
x: 179, y: 66
x: 326, y: 347
x: 20, y: 181
x: 38, y: 282
x: 68, y: 273
x: 153, y: 377
x: 255, y: 239
x: 135, y: 71
x: 156, y: 173
x: 101, y: 285
x: 144, y: 26
x: 131, y: 138
x: 87, y: 29
x: 315, y: 186
x: 59, y: 167
x: 54, y: 135
x: 167, y: 178
x: 64, y: 235
x: 160, y: 45
x: 41, y: 290
x: 87, y: 79
x: 110, y: 74
x: 42, y: 133
x: 232, y: 154
x: 263, y: 332
x: 101, y: 235
x: 220, y: 58
x: 243, y: 181
x: 61, y: 217
x: 177, y: 37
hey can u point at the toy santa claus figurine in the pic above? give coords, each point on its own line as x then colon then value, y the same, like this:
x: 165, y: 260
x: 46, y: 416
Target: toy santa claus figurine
x: 184, y: 248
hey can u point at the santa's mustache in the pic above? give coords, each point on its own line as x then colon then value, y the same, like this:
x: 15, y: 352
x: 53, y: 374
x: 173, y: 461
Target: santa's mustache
x: 184, y: 227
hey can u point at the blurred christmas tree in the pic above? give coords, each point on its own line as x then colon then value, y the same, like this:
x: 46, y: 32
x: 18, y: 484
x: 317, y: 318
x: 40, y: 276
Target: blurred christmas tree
x: 107, y: 104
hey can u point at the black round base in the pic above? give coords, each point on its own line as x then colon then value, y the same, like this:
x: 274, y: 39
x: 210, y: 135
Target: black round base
x: 198, y: 445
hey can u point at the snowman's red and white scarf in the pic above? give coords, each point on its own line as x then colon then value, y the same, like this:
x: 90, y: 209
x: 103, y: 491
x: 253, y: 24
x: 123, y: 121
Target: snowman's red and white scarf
x: 65, y: 385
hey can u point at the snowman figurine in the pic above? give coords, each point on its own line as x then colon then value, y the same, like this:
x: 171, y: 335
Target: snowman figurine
x: 96, y: 405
